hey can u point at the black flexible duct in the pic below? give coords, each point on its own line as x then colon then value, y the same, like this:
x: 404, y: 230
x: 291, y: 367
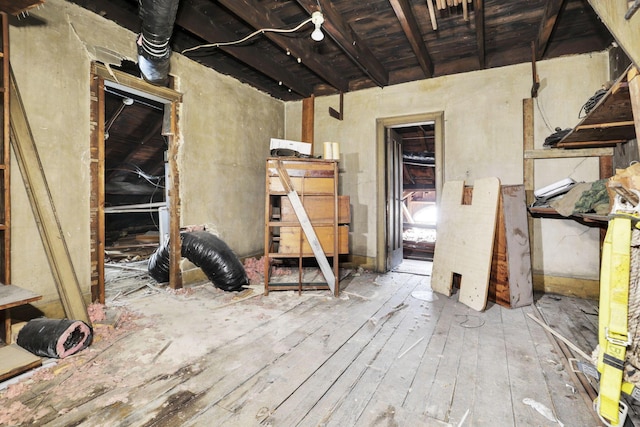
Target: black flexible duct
x: 208, y: 252
x: 57, y: 338
x: 158, y: 17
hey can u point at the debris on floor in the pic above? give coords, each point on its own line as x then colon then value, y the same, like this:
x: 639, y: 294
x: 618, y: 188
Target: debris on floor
x: 255, y: 270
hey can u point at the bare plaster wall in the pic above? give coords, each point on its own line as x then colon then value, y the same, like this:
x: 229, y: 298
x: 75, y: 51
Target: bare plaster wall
x: 482, y: 137
x: 227, y: 128
x: 224, y: 131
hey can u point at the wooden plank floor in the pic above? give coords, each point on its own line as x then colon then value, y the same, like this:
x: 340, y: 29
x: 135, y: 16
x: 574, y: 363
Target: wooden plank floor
x: 387, y: 352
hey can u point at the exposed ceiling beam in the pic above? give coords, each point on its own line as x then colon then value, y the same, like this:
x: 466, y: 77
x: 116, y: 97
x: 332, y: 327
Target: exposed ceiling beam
x: 258, y: 16
x: 402, y: 8
x: 111, y: 11
x: 231, y: 66
x: 15, y: 7
x: 551, y: 11
x: 129, y: 159
x: 342, y: 33
x: 192, y: 15
x: 478, y: 11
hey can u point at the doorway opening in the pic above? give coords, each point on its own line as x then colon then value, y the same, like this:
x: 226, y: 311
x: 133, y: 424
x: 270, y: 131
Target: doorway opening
x: 410, y: 153
x: 133, y: 171
x: 419, y: 194
x: 136, y: 217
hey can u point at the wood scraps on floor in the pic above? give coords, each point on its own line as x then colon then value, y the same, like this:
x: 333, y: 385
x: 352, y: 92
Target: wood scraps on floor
x: 375, y: 355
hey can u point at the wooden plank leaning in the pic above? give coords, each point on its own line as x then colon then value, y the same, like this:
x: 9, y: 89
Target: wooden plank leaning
x: 305, y: 223
x: 633, y: 79
x: 44, y: 211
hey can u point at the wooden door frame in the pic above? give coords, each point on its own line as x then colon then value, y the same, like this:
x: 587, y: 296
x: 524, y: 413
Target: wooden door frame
x: 381, y: 139
x: 101, y: 77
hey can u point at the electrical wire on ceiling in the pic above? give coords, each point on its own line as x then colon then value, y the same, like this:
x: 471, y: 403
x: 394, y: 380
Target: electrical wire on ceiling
x: 316, y: 18
x: 125, y: 102
x: 151, y: 179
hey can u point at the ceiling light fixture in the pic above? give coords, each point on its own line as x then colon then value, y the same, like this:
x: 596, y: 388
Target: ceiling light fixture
x: 318, y: 20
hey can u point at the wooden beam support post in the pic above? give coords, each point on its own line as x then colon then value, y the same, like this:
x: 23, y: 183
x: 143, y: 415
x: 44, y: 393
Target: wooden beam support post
x: 46, y: 216
x: 175, y: 242
x: 528, y: 164
x: 308, y: 110
x: 478, y: 10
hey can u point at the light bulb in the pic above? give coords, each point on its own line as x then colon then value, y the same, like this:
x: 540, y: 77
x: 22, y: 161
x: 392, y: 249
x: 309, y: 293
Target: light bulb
x: 318, y: 20
x: 317, y: 34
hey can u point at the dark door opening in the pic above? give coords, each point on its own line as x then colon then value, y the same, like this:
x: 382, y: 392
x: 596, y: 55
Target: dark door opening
x: 418, y: 202
x: 135, y: 208
x: 133, y: 152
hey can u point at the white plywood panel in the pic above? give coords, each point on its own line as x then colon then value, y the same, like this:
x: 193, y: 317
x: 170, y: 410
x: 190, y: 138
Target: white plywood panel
x: 465, y: 240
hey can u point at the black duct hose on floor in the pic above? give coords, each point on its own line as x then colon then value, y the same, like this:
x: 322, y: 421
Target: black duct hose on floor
x: 159, y: 264
x: 56, y: 338
x: 208, y: 252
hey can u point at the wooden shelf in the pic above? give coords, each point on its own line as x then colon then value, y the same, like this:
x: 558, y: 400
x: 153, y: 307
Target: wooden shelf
x: 302, y: 200
x: 610, y: 121
x: 591, y: 220
x: 561, y: 153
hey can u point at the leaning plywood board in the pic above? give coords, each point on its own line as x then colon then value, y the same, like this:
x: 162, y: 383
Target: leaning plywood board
x: 510, y: 282
x: 465, y: 240
x: 517, y: 242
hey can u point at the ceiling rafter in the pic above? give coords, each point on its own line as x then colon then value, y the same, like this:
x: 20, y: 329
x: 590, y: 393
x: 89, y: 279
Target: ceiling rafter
x: 15, y: 7
x: 548, y: 22
x: 368, y: 47
x: 258, y: 16
x: 402, y: 9
x: 478, y: 12
x: 347, y: 39
x: 151, y: 133
x: 191, y: 16
x: 114, y: 12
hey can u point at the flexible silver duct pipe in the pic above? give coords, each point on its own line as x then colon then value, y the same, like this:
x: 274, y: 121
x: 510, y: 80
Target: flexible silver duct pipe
x: 158, y: 17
